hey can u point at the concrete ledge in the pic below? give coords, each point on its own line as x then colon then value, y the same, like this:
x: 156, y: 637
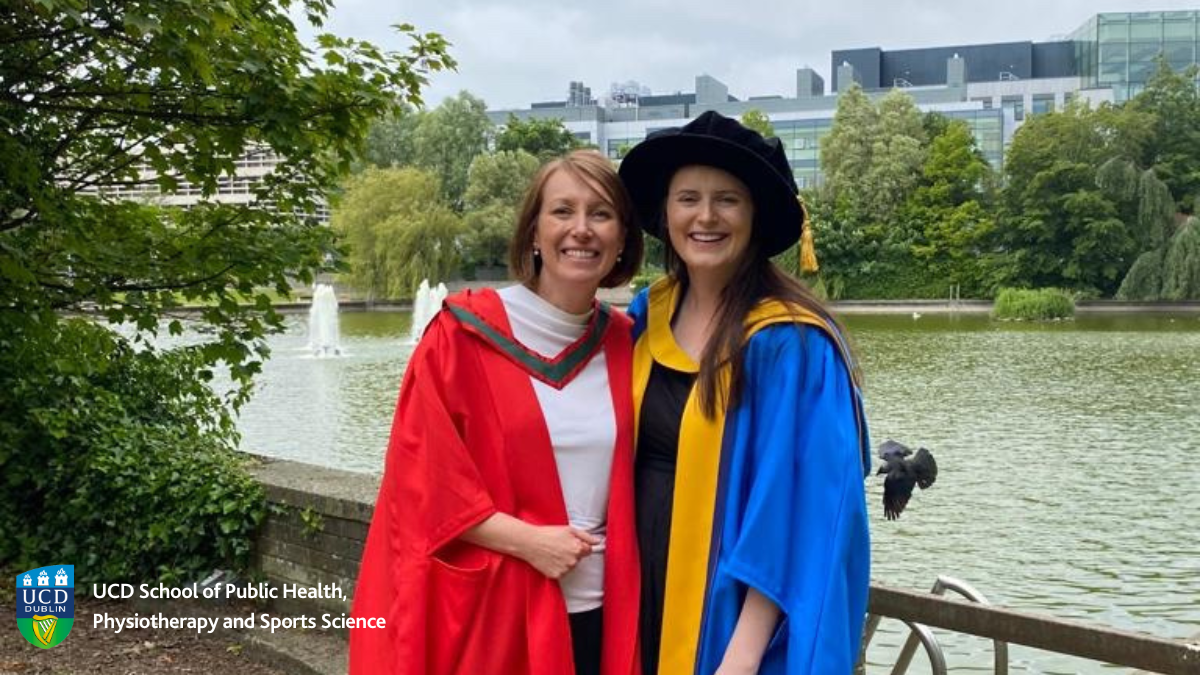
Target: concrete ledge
x: 335, y: 492
x: 314, y: 533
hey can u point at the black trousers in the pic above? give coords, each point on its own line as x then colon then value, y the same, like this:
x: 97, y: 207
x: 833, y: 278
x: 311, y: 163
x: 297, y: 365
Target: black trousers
x: 586, y: 634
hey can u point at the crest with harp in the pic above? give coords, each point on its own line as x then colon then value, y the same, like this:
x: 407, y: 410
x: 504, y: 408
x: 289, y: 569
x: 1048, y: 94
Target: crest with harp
x: 45, y: 599
x: 43, y: 628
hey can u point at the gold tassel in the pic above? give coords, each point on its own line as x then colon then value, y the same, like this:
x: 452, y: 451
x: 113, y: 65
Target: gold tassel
x: 808, y: 254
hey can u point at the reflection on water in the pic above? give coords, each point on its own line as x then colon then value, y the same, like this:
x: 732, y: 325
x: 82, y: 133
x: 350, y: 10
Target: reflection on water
x: 330, y: 411
x: 1066, y: 454
x: 1063, y: 489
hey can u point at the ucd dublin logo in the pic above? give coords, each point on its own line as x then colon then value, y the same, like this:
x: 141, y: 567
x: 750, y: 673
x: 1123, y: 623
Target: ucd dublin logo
x: 46, y: 604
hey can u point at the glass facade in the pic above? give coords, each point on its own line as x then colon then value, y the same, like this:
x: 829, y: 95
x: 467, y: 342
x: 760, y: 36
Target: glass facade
x: 802, y: 142
x: 1014, y: 105
x: 1042, y: 103
x: 1119, y: 50
x: 987, y: 126
x: 617, y: 147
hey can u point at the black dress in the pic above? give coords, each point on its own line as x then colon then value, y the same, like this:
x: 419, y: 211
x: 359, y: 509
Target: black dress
x: 654, y: 484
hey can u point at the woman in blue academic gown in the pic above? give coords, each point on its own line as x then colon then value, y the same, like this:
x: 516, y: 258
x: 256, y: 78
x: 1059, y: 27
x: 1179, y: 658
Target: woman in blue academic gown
x: 751, y: 445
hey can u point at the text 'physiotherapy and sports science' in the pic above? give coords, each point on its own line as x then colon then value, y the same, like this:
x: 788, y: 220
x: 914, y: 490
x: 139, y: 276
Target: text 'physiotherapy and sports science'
x: 45, y: 598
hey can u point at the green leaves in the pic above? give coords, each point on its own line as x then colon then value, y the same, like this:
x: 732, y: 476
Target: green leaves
x: 542, y: 138
x: 905, y: 210
x: 448, y: 139
x: 115, y: 453
x: 124, y: 121
x: 1059, y: 222
x: 757, y: 120
x: 398, y: 231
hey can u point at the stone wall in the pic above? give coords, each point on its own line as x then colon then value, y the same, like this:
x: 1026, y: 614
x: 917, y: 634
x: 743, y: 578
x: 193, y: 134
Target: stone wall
x: 314, y: 532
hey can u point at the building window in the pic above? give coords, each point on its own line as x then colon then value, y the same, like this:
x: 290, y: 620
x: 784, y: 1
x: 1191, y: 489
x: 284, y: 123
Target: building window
x: 1179, y: 30
x: 1042, y: 103
x: 1179, y: 54
x: 1016, y: 104
x: 1114, y: 32
x: 1146, y: 30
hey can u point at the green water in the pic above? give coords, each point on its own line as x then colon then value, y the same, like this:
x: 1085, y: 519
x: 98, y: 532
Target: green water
x: 1067, y: 455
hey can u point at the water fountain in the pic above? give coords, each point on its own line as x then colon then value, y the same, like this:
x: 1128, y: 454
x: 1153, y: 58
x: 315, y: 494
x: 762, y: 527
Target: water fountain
x: 426, y: 304
x: 323, y: 338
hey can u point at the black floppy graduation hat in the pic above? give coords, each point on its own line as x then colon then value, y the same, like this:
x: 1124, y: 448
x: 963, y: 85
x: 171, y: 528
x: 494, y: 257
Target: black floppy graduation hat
x: 715, y: 140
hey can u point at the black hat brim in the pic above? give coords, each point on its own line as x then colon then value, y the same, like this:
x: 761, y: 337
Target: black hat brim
x: 647, y: 170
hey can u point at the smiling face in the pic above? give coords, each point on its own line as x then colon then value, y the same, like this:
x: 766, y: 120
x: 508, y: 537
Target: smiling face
x: 710, y: 215
x: 578, y: 237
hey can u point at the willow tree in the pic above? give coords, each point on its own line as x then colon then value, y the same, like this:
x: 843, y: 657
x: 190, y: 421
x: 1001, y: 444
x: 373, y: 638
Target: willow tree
x: 1181, y: 269
x: 1153, y: 225
x: 398, y: 230
x: 1173, y: 98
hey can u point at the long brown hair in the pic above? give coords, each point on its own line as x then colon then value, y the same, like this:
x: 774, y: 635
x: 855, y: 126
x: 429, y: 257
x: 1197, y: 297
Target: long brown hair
x: 597, y: 172
x: 755, y: 279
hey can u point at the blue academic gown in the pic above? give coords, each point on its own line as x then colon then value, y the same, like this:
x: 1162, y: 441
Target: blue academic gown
x: 788, y: 511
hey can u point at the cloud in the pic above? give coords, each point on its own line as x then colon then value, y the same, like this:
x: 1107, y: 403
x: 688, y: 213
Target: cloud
x: 515, y: 52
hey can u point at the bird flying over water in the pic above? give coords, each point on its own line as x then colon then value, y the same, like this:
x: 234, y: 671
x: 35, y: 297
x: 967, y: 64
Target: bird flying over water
x: 902, y: 474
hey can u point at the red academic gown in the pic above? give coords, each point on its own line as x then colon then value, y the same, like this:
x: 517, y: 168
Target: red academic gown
x: 469, y: 440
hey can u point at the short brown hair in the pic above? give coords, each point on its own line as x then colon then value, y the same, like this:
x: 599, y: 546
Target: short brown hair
x: 598, y: 172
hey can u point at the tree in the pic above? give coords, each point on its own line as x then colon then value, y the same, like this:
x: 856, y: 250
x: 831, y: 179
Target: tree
x: 950, y: 213
x: 391, y: 139
x: 757, y: 120
x: 872, y: 160
x: 399, y: 231
x: 96, y: 98
x: 449, y: 138
x: 897, y: 155
x: 1058, y: 225
x: 496, y: 185
x: 1144, y: 280
x: 543, y: 138
x: 847, y: 152
x: 1173, y: 98
x: 872, y: 156
x: 501, y: 176
x: 842, y: 240
x: 1181, y: 271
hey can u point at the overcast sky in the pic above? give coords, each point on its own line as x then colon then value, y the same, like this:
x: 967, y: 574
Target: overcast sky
x: 514, y: 52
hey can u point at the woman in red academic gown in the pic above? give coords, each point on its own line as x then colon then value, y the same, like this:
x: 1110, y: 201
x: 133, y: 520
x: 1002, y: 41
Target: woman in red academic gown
x: 503, y: 540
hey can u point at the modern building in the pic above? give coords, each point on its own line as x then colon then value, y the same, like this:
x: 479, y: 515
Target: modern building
x: 993, y: 87
x: 1119, y: 50
x: 250, y: 169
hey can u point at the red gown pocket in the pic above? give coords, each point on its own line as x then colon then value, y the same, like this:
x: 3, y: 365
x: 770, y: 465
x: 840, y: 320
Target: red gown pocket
x: 455, y: 594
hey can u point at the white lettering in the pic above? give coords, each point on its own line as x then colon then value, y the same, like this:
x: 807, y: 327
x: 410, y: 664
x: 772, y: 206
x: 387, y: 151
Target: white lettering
x: 353, y: 622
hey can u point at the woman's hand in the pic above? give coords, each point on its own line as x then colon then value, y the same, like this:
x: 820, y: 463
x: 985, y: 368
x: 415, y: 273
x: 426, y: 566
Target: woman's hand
x: 555, y: 550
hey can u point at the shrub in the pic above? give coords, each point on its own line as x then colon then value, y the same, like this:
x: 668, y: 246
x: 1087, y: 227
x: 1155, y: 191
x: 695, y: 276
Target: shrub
x: 1033, y: 304
x: 123, y: 461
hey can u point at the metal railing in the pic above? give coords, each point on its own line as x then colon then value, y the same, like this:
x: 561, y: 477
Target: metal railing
x: 920, y: 611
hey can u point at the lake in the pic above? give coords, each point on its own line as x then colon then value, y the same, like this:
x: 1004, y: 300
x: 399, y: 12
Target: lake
x: 1067, y: 451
